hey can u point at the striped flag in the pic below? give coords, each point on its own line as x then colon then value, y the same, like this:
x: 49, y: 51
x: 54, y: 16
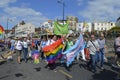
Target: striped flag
x: 74, y: 50
x: 53, y: 51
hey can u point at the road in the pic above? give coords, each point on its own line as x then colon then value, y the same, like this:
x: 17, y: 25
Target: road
x: 11, y: 70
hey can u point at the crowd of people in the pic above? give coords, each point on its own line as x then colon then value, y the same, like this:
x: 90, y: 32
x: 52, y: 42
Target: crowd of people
x: 93, y: 53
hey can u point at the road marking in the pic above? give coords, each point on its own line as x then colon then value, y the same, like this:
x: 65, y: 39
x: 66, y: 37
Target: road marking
x: 65, y: 73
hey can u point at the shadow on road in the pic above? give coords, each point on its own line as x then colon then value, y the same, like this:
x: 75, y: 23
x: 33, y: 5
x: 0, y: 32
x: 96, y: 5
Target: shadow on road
x: 18, y: 74
x: 5, y: 76
x: 105, y: 75
x: 37, y: 69
x: 3, y: 62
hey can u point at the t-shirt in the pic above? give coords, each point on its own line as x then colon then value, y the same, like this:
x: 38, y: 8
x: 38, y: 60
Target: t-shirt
x: 18, y: 45
x: 93, y: 48
x: 69, y: 44
x: 12, y: 42
x: 25, y: 44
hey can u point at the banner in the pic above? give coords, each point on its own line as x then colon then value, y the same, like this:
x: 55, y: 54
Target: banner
x: 60, y: 28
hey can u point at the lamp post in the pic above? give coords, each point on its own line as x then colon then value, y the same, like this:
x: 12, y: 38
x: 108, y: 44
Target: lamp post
x: 62, y: 2
x: 7, y: 25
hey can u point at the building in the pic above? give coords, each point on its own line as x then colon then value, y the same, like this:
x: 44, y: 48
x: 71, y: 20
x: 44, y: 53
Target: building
x: 118, y: 22
x: 47, y: 27
x: 23, y: 30
x: 72, y: 21
x: 94, y: 26
x: 103, y: 26
x: 84, y: 26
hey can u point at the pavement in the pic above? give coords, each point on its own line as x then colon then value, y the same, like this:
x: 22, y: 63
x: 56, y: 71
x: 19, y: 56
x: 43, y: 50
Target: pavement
x: 11, y: 70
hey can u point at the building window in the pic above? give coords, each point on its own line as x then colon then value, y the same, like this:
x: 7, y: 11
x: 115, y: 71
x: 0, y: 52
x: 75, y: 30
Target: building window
x: 111, y: 24
x: 101, y: 24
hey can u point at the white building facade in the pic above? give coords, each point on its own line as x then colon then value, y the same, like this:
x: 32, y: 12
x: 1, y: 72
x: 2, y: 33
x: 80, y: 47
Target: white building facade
x: 48, y: 25
x: 99, y: 26
x: 24, y: 30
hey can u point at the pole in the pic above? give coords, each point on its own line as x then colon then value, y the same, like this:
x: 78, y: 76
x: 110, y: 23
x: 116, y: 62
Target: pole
x: 7, y: 28
x: 63, y: 4
x: 63, y: 12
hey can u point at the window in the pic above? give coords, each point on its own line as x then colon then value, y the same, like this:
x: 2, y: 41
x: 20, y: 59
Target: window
x: 111, y: 24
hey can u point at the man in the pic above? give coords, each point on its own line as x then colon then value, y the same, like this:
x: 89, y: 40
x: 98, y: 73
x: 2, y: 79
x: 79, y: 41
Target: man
x: 25, y: 49
x: 12, y: 45
x: 117, y: 48
x: 93, y: 47
x: 18, y: 45
x: 101, y: 55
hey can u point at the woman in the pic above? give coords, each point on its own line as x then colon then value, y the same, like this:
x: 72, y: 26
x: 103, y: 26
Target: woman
x: 19, y: 45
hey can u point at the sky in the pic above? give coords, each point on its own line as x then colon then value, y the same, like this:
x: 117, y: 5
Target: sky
x: 38, y: 11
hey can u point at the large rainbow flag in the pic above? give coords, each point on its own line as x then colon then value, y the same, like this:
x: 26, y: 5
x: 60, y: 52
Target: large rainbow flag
x: 1, y: 30
x: 53, y: 51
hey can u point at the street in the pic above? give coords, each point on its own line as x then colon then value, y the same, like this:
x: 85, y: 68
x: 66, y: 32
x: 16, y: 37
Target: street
x: 11, y: 70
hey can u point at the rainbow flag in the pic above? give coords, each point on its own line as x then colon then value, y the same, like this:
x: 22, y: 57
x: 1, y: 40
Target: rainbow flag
x: 53, y: 51
x: 1, y: 30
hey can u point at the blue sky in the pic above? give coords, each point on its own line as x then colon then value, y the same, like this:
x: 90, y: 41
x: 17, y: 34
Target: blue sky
x: 38, y: 11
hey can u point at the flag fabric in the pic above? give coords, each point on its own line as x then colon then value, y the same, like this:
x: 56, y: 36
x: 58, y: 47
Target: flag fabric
x: 85, y: 25
x: 53, y: 51
x: 1, y: 30
x: 72, y: 52
x: 60, y: 28
x: 36, y: 55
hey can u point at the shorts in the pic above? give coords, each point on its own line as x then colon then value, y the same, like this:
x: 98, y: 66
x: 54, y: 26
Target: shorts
x: 19, y: 52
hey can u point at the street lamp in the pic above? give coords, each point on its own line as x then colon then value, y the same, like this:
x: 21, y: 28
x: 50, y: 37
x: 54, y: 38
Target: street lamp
x: 7, y: 25
x: 62, y: 2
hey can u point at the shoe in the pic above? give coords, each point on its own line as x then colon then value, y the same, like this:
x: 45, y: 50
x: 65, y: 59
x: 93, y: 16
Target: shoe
x: 101, y: 68
x: 94, y: 71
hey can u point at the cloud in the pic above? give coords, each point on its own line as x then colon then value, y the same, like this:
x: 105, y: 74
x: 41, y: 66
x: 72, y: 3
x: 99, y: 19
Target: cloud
x: 80, y: 2
x: 5, y: 3
x: 17, y: 14
x: 101, y: 10
x: 26, y: 14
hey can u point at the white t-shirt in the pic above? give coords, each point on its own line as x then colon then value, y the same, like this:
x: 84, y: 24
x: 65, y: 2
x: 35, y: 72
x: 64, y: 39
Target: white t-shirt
x: 92, y: 48
x: 25, y: 44
x: 18, y: 45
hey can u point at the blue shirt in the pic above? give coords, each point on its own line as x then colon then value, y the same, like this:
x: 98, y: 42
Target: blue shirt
x: 101, y: 43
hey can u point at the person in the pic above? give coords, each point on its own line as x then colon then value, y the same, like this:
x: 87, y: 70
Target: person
x: 51, y: 65
x: 93, y: 47
x: 69, y: 42
x: 43, y: 44
x: 12, y: 45
x: 25, y: 49
x: 101, y: 55
x: 18, y: 47
x: 117, y: 48
x: 86, y: 50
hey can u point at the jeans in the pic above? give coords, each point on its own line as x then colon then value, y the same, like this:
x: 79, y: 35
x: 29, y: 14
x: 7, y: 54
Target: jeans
x: 101, y: 57
x: 92, y: 61
x: 25, y: 50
